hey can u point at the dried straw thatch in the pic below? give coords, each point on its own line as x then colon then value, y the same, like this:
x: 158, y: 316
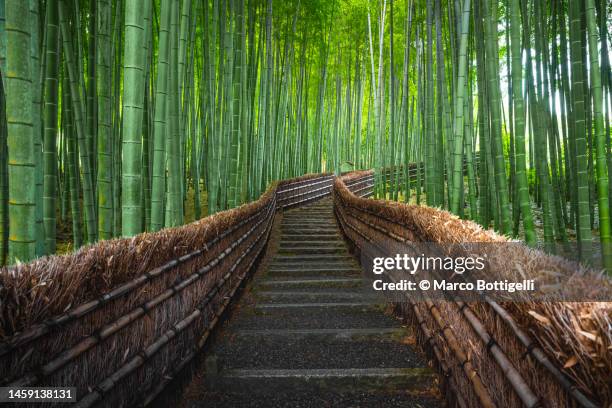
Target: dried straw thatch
x: 121, y: 314
x: 575, y: 337
x: 48, y: 286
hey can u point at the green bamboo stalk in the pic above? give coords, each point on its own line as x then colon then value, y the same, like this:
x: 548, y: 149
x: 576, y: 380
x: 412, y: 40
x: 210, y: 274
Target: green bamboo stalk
x: 458, y: 128
x: 174, y: 204
x: 235, y: 132
x: 520, y: 177
x: 160, y: 130
x: 3, y: 40
x: 116, y: 63
x: 583, y: 229
x: 600, y: 137
x: 104, y: 116
x: 50, y: 132
x: 90, y: 95
x: 490, y: 16
x: 104, y: 135
x: 431, y: 168
x: 133, y: 94
x: 78, y: 111
x: 4, y: 193
x: 72, y: 163
x: 35, y: 72
x: 20, y: 118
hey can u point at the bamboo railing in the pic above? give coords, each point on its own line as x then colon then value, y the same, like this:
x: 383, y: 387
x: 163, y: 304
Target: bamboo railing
x: 123, y: 346
x: 485, y: 358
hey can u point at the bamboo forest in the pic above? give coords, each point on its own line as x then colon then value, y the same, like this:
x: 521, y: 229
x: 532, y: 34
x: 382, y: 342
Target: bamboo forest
x: 125, y: 116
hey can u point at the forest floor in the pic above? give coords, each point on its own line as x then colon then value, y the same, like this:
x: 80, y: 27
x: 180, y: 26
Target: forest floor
x: 64, y: 227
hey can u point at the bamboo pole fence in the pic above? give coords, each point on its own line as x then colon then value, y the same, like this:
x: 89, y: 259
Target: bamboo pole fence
x: 484, y: 355
x: 120, y: 345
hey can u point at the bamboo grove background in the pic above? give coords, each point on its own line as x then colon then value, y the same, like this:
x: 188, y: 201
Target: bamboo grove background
x: 120, y: 116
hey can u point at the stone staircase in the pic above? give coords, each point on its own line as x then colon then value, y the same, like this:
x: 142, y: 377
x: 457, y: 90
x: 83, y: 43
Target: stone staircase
x: 308, y: 333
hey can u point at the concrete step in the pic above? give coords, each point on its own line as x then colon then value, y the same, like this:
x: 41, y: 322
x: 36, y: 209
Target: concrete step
x: 315, y: 380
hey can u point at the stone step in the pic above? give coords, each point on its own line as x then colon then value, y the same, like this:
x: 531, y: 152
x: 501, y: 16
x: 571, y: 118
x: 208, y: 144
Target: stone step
x: 313, y: 282
x: 307, y: 219
x: 307, y: 399
x: 307, y: 223
x: 314, y: 318
x: 309, y: 229
x: 315, y: 212
x: 310, y: 225
x: 312, y: 207
x: 309, y: 232
x: 363, y: 290
x: 308, y: 237
x: 300, y: 272
x: 322, y: 258
x: 328, y: 334
x: 361, y: 305
x: 361, y: 380
x: 322, y: 297
x: 312, y: 250
x: 305, y: 215
x: 299, y: 264
x: 301, y: 267
x: 354, y: 350
x: 305, y: 268
x: 286, y: 243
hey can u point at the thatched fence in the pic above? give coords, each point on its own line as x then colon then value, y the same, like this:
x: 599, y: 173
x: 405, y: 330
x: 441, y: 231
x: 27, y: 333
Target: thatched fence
x: 119, y: 319
x: 550, y: 354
